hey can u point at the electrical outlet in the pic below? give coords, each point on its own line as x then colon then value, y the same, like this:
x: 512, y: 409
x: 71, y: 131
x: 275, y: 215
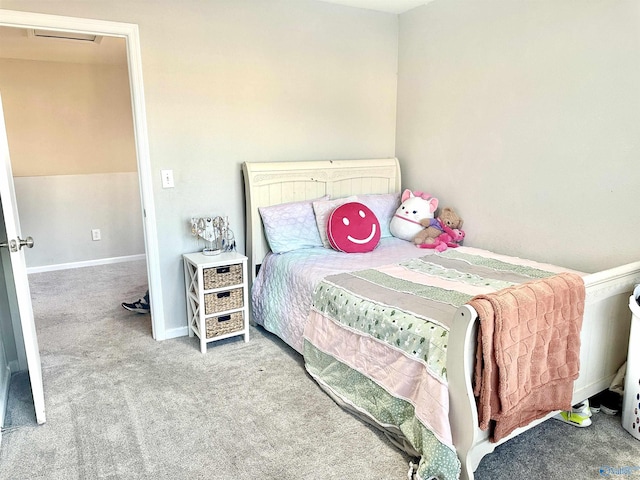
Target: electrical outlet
x: 95, y: 234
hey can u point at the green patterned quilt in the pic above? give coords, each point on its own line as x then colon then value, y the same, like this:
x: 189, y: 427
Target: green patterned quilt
x: 377, y: 340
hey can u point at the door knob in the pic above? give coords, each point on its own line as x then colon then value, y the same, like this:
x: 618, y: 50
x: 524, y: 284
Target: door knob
x: 28, y: 242
x: 15, y: 245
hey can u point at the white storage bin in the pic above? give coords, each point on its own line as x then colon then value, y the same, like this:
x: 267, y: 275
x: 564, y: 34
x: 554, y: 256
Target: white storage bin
x: 631, y: 400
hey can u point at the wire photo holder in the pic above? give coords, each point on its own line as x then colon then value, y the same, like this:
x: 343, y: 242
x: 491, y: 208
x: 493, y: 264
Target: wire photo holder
x: 215, y: 232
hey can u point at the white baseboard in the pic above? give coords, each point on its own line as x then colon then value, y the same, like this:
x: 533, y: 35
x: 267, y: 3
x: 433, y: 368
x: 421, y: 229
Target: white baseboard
x: 5, y: 381
x: 176, y: 332
x: 86, y: 263
x: 14, y: 366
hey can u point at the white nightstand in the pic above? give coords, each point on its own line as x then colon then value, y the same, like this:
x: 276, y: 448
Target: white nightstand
x: 217, y: 296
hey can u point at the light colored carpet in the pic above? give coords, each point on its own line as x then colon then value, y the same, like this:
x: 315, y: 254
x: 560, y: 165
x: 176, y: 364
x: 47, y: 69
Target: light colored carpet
x: 123, y: 406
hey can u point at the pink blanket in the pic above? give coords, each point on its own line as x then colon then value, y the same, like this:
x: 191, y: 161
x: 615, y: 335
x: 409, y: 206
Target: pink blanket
x: 528, y: 351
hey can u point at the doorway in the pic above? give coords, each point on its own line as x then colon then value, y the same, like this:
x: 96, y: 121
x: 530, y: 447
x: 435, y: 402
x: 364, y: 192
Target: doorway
x: 129, y: 33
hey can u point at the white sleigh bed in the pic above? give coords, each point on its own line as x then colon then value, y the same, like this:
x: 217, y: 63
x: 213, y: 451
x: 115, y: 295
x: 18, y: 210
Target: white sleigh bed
x: 605, y: 328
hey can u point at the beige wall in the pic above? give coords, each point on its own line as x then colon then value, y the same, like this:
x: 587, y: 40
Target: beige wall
x: 67, y: 119
x: 525, y: 116
x: 228, y: 81
x: 70, y: 132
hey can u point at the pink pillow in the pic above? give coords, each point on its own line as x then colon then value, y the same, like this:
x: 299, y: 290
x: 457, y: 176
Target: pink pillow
x: 353, y: 228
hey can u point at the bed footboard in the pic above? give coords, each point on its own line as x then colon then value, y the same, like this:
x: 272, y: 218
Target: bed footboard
x: 604, y: 342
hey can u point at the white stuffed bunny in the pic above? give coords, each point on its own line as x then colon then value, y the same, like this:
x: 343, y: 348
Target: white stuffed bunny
x: 415, y: 206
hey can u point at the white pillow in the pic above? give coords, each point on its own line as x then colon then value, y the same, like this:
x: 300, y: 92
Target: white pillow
x: 384, y: 206
x: 290, y: 226
x: 323, y: 209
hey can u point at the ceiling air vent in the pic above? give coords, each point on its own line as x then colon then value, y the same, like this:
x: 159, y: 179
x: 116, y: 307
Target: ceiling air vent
x: 82, y: 37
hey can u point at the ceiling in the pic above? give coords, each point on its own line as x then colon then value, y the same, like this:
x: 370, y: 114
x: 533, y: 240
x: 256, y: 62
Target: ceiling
x: 390, y: 6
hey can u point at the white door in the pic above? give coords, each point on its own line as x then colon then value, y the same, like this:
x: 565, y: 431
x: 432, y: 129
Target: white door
x: 14, y: 244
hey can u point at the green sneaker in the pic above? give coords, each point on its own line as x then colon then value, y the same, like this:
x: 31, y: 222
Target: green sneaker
x: 575, y: 419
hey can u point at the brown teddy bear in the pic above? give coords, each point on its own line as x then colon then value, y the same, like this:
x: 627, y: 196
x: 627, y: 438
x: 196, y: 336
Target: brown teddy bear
x: 442, y: 232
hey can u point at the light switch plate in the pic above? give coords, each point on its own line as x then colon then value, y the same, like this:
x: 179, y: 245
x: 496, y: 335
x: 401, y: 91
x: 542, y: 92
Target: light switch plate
x: 167, y: 178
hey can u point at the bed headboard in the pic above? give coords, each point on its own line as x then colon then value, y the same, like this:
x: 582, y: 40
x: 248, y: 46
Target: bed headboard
x: 281, y: 182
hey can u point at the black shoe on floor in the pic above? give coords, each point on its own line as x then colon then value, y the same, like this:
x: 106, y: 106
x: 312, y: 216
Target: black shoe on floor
x: 138, y: 307
x: 607, y: 402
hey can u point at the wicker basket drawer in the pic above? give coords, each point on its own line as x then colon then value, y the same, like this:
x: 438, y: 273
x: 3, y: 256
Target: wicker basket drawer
x: 222, y: 301
x: 223, y: 324
x: 218, y: 277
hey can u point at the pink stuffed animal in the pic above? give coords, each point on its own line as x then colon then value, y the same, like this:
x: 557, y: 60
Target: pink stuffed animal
x: 445, y: 240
